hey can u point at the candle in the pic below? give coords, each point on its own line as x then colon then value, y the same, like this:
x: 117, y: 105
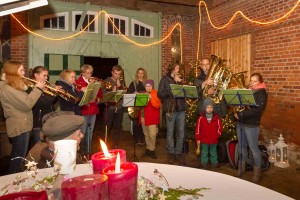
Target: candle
x: 123, y: 184
x: 87, y: 187
x: 106, y: 158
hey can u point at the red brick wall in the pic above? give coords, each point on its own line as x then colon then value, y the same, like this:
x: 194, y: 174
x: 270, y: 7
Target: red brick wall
x: 275, y: 54
x: 189, y: 40
x: 19, y: 38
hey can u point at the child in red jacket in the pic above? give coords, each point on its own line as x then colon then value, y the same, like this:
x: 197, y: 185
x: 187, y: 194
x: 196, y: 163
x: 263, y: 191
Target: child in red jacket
x: 208, y: 130
x: 150, y: 118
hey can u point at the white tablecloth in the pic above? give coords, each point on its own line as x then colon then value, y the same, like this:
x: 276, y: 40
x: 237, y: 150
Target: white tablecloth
x: 221, y: 186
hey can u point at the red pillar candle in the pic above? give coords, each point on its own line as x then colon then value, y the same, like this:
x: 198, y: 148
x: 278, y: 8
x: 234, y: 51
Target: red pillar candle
x: 123, y: 184
x: 100, y: 161
x: 87, y: 187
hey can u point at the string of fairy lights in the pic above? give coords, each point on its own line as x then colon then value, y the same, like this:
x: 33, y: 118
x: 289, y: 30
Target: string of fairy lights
x: 172, y: 29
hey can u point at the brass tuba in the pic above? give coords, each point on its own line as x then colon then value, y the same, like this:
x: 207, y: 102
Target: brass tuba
x: 221, y: 76
x: 238, y: 81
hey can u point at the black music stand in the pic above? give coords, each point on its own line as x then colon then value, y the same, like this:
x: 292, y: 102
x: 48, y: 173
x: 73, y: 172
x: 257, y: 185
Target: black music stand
x: 110, y: 98
x: 135, y: 100
x: 184, y: 91
x: 239, y: 97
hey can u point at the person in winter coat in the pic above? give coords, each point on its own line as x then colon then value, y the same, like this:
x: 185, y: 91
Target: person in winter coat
x: 43, y: 106
x: 17, y: 106
x: 150, y: 118
x: 208, y: 130
x: 89, y: 111
x: 66, y: 81
x: 248, y: 126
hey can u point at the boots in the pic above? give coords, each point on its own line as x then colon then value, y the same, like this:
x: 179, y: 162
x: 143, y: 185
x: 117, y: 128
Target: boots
x: 242, y: 168
x: 257, y: 174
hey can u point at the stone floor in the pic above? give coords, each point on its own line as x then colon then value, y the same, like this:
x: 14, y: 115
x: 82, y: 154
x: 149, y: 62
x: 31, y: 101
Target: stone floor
x: 285, y: 181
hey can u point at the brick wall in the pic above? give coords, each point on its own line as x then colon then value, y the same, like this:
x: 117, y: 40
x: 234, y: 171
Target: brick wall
x: 275, y: 54
x: 19, y: 38
x: 189, y: 40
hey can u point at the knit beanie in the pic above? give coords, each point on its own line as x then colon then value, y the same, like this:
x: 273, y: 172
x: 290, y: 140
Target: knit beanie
x: 207, y: 102
x: 150, y: 81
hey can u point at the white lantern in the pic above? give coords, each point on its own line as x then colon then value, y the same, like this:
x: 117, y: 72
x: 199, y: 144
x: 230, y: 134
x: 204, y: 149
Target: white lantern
x: 281, y: 153
x: 271, y: 152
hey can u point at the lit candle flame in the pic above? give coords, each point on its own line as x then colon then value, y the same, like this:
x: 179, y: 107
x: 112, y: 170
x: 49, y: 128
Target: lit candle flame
x: 104, y: 149
x: 118, y: 164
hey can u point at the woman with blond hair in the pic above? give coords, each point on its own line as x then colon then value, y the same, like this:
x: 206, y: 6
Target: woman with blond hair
x: 137, y: 86
x: 17, y: 105
x: 67, y: 82
x: 90, y: 110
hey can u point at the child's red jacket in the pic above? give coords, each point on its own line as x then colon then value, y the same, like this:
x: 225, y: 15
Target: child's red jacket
x: 208, y: 133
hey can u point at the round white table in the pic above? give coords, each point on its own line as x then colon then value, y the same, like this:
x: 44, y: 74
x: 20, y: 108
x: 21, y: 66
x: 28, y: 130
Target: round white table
x: 221, y: 186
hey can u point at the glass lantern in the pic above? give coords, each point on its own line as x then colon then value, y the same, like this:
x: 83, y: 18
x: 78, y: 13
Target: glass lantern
x: 282, y: 157
x: 271, y: 152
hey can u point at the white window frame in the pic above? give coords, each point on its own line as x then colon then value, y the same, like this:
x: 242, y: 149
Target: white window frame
x: 134, y: 21
x: 119, y: 17
x: 65, y: 14
x: 74, y: 13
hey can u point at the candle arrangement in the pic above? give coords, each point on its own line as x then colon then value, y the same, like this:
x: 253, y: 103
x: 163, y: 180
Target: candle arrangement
x: 106, y: 158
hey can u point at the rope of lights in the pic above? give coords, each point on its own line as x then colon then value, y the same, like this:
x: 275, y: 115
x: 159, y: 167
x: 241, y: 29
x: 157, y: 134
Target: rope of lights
x: 178, y: 24
x: 234, y: 16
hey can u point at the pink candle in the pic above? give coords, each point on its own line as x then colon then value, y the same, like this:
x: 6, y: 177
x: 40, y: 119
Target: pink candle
x: 87, y: 187
x: 100, y: 161
x: 123, y: 184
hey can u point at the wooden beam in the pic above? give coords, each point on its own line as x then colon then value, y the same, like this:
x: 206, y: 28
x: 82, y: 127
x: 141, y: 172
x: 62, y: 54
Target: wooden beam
x: 191, y: 3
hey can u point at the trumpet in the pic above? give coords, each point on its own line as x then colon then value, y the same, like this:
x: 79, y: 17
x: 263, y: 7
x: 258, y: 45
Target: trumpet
x: 54, y: 92
x: 104, y: 84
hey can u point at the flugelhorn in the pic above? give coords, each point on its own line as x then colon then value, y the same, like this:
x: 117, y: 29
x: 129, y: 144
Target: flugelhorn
x: 104, y: 84
x: 55, y: 92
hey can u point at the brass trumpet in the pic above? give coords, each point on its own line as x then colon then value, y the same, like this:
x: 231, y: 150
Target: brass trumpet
x: 55, y: 92
x: 104, y: 84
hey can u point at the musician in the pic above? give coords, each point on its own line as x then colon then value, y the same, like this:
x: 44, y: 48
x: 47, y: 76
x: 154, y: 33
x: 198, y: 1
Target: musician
x: 66, y: 81
x: 174, y: 108
x: 114, y: 113
x: 137, y: 86
x: 248, y: 125
x: 17, y: 105
x: 90, y: 110
x: 43, y: 106
x: 200, y: 82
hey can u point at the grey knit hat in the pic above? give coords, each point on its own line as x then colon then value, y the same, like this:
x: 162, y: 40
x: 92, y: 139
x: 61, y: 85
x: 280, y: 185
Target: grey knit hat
x: 207, y: 102
x: 60, y: 125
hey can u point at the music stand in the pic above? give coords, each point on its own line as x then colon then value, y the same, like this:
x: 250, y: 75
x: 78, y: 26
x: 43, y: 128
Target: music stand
x: 90, y: 95
x: 110, y: 98
x: 135, y: 100
x: 239, y: 97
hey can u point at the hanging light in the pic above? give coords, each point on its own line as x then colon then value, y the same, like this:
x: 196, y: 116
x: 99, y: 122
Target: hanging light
x: 271, y: 152
x: 281, y: 153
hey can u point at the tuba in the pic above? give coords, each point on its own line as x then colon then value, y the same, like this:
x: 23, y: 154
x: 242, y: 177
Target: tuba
x: 221, y: 76
x: 238, y: 81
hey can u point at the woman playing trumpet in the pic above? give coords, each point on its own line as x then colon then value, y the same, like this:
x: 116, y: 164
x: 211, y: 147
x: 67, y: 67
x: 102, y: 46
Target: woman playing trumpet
x: 17, y: 105
x: 44, y: 105
x: 66, y: 81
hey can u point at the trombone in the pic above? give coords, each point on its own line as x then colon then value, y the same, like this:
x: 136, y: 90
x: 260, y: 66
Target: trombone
x: 55, y: 92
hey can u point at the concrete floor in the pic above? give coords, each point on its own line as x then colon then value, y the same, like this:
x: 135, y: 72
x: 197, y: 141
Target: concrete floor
x: 285, y: 181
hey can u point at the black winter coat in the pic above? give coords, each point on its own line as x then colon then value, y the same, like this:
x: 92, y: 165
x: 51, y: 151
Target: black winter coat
x: 170, y: 104
x: 252, y: 116
x: 69, y: 105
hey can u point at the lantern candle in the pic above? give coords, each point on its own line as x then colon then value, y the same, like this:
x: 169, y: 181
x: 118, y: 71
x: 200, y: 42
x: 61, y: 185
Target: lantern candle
x: 106, y: 158
x: 122, y: 180
x: 88, y: 187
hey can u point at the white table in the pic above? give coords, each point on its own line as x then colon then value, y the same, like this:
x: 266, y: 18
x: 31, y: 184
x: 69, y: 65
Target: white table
x: 221, y: 186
